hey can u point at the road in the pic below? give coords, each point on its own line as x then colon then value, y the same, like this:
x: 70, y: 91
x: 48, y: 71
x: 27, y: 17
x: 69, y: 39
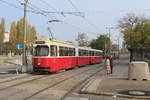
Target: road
x: 60, y: 86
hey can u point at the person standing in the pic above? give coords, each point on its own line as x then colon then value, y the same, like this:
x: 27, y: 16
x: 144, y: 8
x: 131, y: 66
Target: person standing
x: 111, y: 64
x: 107, y: 65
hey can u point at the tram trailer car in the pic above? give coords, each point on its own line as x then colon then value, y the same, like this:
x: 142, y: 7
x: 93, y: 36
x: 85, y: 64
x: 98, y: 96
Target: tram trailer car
x: 53, y: 55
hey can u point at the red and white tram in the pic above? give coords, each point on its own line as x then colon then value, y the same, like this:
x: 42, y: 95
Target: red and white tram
x: 53, y: 55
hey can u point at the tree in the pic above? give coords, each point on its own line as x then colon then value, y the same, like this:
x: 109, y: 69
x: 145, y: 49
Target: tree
x: 32, y: 35
x: 129, y: 21
x: 31, y: 38
x: 2, y: 31
x: 135, y: 30
x: 101, y: 43
x: 114, y: 47
x: 16, y: 35
x: 20, y: 31
x: 82, y: 39
x: 13, y: 36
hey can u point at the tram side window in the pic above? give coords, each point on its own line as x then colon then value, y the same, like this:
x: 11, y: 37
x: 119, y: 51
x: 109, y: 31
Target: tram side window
x: 80, y: 52
x: 71, y: 52
x: 97, y: 53
x: 84, y: 53
x: 60, y: 51
x: 65, y: 51
x: 74, y: 53
x: 100, y: 53
x: 87, y: 53
x: 53, y: 49
x: 92, y: 53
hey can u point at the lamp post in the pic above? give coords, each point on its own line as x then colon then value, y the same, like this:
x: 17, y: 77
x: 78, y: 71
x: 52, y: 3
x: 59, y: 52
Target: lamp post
x: 109, y: 35
x: 24, y: 58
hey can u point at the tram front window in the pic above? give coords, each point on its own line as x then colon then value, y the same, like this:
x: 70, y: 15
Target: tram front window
x: 41, y: 51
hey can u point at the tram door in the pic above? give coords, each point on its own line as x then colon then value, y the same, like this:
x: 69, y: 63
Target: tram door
x: 53, y: 54
x: 53, y: 50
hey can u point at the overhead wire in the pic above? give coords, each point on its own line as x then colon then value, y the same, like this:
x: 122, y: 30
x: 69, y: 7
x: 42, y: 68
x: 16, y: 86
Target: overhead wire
x: 77, y: 27
x: 43, y: 12
x: 10, y: 4
x: 73, y: 5
x: 83, y: 17
x: 17, y: 7
x: 18, y: 1
x: 36, y: 11
x: 67, y: 22
x: 61, y: 20
x: 48, y: 5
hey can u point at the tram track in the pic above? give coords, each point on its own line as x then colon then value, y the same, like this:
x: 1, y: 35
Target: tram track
x: 54, y: 80
x: 30, y: 80
x: 86, y: 80
x: 13, y: 78
x: 81, y: 84
x: 61, y: 81
x: 24, y: 82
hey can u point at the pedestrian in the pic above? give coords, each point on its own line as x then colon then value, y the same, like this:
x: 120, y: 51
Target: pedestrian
x: 111, y: 64
x: 107, y: 65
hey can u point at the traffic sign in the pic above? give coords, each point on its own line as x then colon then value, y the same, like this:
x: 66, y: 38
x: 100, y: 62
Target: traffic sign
x: 19, y: 46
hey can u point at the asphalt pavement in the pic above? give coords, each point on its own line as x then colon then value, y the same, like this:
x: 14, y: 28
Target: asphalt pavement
x: 9, y: 64
x: 117, y: 84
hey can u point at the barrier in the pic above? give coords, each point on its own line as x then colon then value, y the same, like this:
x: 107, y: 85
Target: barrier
x: 138, y: 71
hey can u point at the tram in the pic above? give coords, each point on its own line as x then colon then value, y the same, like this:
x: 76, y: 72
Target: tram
x: 53, y: 55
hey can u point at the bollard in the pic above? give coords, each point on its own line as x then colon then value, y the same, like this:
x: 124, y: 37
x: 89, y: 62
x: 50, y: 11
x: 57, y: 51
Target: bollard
x: 138, y: 71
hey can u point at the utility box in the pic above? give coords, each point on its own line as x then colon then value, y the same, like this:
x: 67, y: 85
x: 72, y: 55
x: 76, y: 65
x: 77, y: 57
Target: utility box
x: 138, y: 71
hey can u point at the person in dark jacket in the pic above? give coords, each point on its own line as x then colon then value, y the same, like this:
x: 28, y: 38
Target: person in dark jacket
x: 111, y: 64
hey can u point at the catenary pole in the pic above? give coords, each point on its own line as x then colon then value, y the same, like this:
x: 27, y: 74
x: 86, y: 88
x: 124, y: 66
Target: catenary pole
x: 24, y: 58
x: 109, y: 35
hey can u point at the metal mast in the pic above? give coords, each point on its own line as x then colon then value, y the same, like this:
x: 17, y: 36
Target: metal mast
x: 24, y: 58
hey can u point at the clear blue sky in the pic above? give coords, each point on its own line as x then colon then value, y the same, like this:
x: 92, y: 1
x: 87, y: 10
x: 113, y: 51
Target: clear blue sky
x: 99, y: 13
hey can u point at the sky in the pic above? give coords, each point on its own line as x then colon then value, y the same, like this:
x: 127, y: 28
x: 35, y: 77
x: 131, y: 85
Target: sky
x: 98, y: 14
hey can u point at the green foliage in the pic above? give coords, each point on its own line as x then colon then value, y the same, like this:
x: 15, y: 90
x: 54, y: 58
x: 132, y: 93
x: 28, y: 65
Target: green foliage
x: 16, y: 35
x: 101, y: 43
x: 13, y: 36
x: 20, y: 31
x: 2, y: 30
x: 135, y: 36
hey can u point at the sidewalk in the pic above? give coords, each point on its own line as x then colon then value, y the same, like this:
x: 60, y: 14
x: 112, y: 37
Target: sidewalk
x: 118, y: 85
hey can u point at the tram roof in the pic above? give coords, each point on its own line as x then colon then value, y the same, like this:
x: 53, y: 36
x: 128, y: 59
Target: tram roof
x: 62, y: 43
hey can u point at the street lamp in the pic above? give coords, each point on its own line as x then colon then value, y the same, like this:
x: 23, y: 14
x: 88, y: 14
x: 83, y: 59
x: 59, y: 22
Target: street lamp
x: 109, y: 35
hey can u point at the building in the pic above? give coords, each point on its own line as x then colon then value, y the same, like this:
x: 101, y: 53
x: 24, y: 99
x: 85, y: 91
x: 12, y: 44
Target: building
x: 6, y: 37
